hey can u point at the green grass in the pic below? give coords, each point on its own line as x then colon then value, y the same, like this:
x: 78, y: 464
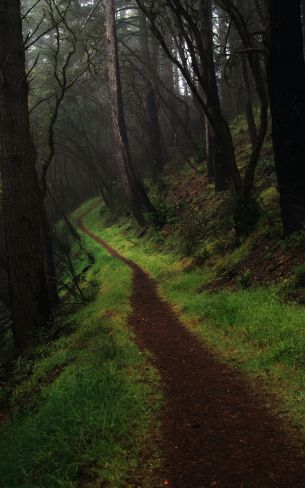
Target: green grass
x: 85, y: 406
x: 250, y: 328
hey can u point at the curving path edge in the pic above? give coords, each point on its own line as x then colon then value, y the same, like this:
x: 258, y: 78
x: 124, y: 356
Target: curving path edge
x: 216, y: 431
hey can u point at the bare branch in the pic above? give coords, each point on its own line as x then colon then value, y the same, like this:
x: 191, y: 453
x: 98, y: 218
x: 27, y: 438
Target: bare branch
x: 43, y: 100
x: 30, y: 10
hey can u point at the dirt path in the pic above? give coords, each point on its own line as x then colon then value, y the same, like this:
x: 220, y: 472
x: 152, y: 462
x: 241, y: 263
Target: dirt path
x: 217, y: 433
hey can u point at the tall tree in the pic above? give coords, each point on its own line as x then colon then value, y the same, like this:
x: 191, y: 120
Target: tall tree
x: 217, y: 165
x: 22, y: 211
x: 151, y: 98
x: 134, y: 190
x: 303, y: 22
x: 198, y: 72
x: 253, y: 52
x: 246, y: 92
x: 286, y: 82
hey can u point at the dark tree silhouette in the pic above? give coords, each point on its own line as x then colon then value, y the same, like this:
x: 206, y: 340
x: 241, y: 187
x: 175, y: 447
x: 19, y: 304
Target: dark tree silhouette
x: 286, y: 82
x: 22, y: 202
x: 134, y: 190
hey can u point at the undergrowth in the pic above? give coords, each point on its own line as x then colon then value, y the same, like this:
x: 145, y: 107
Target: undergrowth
x: 249, y: 327
x: 82, y: 412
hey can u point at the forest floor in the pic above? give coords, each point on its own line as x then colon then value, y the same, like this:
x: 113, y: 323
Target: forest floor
x: 182, y: 365
x: 80, y: 409
x: 217, y: 430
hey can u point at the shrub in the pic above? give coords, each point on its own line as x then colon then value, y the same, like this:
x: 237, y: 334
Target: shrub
x: 244, y: 279
x: 299, y: 279
x: 165, y: 211
x: 246, y: 216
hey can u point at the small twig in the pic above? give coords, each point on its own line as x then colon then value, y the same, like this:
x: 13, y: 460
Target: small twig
x: 33, y: 65
x: 30, y: 10
x: 41, y: 101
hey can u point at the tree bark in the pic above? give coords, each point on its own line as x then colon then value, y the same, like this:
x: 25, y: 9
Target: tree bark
x: 254, y: 61
x: 286, y: 82
x: 135, y: 192
x: 246, y: 9
x: 151, y: 99
x: 218, y: 154
x: 303, y: 22
x: 248, y: 103
x: 22, y: 211
x: 226, y: 95
x: 210, y: 149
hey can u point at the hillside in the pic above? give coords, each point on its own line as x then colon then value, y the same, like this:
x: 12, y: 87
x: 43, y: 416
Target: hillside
x: 244, y: 295
x: 240, y: 295
x: 206, y: 233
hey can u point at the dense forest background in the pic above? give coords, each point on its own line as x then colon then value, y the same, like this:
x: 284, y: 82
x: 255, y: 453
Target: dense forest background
x: 152, y: 270
x: 114, y: 99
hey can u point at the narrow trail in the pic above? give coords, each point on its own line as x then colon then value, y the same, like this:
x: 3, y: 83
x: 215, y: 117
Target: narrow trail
x: 216, y: 431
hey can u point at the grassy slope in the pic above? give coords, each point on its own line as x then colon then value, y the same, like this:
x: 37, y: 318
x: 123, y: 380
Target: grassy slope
x: 250, y: 328
x: 85, y: 404
x: 87, y: 409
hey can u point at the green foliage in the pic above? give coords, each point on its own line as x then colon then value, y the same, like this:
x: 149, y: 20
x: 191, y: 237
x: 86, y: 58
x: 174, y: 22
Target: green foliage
x: 299, y: 272
x: 244, y: 279
x: 165, y: 211
x: 297, y: 240
x: 226, y: 272
x: 72, y: 260
x: 202, y: 253
x: 245, y: 215
x: 191, y: 235
x: 271, y: 330
x: 267, y: 165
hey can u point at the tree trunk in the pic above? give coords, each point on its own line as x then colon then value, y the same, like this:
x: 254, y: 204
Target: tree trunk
x: 134, y: 190
x: 246, y: 8
x: 303, y: 22
x: 210, y: 149
x: 22, y: 211
x: 248, y: 103
x: 151, y: 99
x: 226, y: 95
x: 199, y: 44
x: 156, y: 139
x: 236, y: 68
x: 171, y: 92
x: 220, y: 156
x: 286, y: 82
